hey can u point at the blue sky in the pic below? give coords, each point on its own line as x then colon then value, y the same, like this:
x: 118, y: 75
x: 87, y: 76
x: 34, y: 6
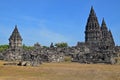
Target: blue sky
x: 47, y: 21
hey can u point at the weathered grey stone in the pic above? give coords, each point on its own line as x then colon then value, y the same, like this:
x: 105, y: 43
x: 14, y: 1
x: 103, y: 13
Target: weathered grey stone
x: 1, y: 56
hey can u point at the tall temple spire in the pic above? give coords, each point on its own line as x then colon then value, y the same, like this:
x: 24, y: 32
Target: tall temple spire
x: 103, y: 25
x: 93, y: 32
x: 106, y: 39
x: 111, y: 39
x: 105, y: 33
x: 15, y: 39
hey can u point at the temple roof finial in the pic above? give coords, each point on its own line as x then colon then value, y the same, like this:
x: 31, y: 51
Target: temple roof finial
x: 103, y: 25
x: 92, y: 12
x: 103, y: 21
x: 15, y: 33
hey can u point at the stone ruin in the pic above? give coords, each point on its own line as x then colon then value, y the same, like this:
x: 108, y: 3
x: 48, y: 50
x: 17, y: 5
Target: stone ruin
x: 33, y: 57
x: 96, y: 55
x: 99, y: 47
x: 30, y: 57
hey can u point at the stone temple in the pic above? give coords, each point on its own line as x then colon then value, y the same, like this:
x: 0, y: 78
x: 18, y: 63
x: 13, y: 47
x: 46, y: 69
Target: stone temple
x: 99, y: 47
x: 15, y: 40
x: 99, y: 44
x: 94, y: 34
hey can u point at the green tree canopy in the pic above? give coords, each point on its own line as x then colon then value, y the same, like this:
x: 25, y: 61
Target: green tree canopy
x: 62, y: 44
x: 3, y: 47
x: 28, y: 47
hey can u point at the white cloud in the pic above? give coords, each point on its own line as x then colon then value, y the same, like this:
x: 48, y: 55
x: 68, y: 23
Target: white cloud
x: 37, y: 30
x: 51, y: 36
x: 44, y: 36
x: 42, y: 33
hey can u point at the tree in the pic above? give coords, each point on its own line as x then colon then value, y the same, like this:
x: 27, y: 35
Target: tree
x: 3, y: 47
x: 27, y: 47
x: 62, y: 44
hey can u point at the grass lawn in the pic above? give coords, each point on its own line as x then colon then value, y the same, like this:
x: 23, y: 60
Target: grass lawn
x: 60, y: 71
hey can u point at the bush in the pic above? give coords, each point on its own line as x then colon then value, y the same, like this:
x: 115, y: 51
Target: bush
x: 3, y: 47
x: 117, y: 59
x: 67, y: 58
x: 62, y: 44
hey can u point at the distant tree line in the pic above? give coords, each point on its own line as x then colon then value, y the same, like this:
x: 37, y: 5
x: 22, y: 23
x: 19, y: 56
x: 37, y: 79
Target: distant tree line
x: 27, y: 47
x: 5, y: 47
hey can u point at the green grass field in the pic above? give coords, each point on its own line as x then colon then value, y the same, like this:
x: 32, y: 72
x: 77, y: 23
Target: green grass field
x: 60, y: 71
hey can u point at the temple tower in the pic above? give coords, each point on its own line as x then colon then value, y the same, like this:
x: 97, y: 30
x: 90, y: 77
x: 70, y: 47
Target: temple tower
x: 104, y: 29
x: 15, y: 40
x: 93, y: 31
x: 107, y: 38
x: 105, y: 42
x: 112, y: 43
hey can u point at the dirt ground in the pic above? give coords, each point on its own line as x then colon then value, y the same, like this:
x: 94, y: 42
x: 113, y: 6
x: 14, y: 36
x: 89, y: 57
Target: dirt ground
x: 60, y: 71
